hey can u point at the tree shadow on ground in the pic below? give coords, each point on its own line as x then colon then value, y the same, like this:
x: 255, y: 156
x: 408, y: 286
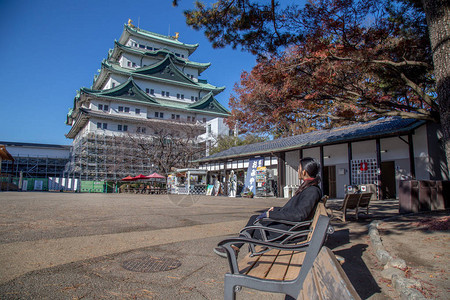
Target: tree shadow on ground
x: 425, y: 222
x: 338, y: 238
x: 357, y: 271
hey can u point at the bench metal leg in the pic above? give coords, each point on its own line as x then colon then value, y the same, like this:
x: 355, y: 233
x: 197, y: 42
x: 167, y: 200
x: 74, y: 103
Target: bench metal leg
x: 230, y: 288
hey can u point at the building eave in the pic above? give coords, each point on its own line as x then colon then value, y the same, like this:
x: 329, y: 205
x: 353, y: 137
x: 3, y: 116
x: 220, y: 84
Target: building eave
x: 80, y: 122
x: 151, y: 36
x: 119, y: 48
x: 198, y: 86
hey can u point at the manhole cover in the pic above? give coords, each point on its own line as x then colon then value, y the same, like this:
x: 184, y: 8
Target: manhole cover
x: 151, y: 264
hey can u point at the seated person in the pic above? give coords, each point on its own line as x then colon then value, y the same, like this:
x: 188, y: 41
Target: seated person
x: 299, y: 208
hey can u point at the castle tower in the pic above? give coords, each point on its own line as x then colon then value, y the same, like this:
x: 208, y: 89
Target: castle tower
x: 146, y: 90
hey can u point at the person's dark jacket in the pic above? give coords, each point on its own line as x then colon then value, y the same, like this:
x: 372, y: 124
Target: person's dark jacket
x: 300, y: 207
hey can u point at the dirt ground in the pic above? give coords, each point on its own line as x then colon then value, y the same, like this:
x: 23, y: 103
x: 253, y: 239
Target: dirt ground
x: 423, y: 241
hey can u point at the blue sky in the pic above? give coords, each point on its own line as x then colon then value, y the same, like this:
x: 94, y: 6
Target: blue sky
x: 52, y: 48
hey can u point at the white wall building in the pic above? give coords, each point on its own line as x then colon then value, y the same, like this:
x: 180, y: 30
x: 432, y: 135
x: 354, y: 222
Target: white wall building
x: 381, y: 152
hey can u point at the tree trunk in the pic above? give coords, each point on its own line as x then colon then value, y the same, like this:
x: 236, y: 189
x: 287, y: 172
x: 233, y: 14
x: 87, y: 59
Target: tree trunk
x: 438, y: 20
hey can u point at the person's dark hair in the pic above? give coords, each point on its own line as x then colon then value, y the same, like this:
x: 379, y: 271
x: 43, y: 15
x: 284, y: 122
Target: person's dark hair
x: 312, y: 167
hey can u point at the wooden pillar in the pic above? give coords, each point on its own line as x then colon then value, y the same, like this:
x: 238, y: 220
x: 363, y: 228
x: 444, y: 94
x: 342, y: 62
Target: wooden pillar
x: 350, y: 158
x: 281, y: 169
x: 378, y: 145
x: 321, y: 166
x: 412, y: 165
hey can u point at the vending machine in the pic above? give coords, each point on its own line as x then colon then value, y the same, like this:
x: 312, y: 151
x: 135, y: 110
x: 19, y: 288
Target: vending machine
x: 264, y: 182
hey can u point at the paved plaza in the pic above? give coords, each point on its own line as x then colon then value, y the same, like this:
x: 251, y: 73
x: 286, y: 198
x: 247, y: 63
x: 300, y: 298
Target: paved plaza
x: 73, y: 246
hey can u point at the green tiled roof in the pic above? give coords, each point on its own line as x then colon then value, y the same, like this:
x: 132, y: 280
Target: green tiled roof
x: 129, y: 91
x: 160, y: 38
x: 209, y: 103
x: 153, y: 72
x: 160, y: 52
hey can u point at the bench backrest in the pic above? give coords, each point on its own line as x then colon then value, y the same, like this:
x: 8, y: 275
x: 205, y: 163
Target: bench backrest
x: 351, y: 201
x: 320, y: 210
x: 327, y: 280
x: 365, y: 199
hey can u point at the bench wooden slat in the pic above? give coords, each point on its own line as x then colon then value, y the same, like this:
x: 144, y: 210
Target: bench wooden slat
x: 247, y: 263
x: 280, y: 266
x: 276, y: 265
x: 295, y: 265
x: 264, y: 264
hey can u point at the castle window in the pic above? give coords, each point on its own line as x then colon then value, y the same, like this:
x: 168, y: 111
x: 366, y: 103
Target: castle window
x: 99, y: 125
x: 182, y: 96
x: 105, y: 125
x: 125, y: 127
x: 147, y: 91
x: 156, y: 114
x: 163, y: 93
x: 192, y: 98
x: 178, y: 96
x: 152, y: 91
x: 129, y: 63
x: 149, y: 48
x: 138, y: 111
x: 120, y: 108
x: 126, y: 109
x: 119, y: 127
x: 100, y: 107
x: 142, y: 46
x: 161, y: 115
x: 189, y: 118
x: 105, y: 107
x: 134, y: 65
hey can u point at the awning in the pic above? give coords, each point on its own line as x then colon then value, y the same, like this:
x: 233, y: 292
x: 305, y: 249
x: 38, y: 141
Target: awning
x: 155, y: 175
x: 128, y: 178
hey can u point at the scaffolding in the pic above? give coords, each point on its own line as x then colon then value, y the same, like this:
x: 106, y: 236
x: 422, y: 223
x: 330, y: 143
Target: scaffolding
x: 98, y: 156
x: 35, y: 166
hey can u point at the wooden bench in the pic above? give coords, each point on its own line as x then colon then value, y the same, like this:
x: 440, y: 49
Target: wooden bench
x: 365, y: 201
x: 280, y: 269
x: 298, y: 231
x: 355, y: 201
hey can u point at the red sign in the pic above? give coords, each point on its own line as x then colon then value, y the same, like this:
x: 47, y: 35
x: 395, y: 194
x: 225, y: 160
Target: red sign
x: 363, y: 166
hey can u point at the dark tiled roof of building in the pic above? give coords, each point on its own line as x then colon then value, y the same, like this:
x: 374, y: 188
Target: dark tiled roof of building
x: 35, y: 145
x: 355, y: 132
